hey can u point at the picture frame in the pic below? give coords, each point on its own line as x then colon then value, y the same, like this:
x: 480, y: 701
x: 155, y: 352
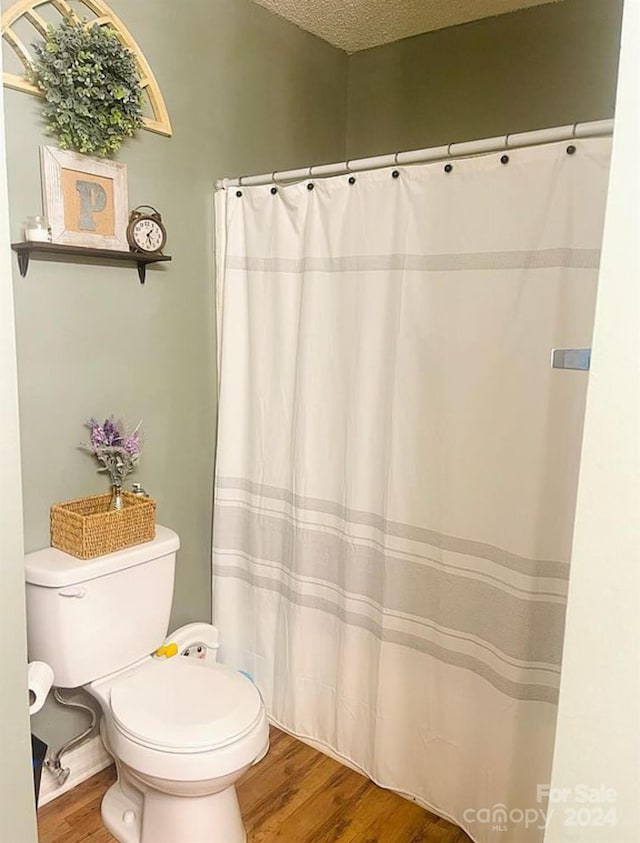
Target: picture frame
x: 85, y: 199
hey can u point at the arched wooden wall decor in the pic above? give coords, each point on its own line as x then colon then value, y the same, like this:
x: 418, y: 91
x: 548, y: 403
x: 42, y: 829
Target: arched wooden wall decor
x: 103, y: 16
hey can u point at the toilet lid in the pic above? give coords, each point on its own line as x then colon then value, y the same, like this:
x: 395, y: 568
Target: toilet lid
x: 185, y: 704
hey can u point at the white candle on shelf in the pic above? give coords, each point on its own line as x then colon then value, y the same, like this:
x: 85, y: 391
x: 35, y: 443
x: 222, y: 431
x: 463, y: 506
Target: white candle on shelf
x: 36, y: 230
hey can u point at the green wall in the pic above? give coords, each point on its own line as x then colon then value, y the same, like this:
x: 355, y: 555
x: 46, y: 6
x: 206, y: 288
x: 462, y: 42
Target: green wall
x: 546, y: 66
x: 246, y: 92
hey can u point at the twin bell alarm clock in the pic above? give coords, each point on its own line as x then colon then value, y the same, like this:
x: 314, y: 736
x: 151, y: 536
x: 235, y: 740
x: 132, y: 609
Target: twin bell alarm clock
x: 146, y: 233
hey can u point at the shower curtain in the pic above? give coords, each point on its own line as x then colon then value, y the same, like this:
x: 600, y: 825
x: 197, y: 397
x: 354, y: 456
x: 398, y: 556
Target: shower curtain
x: 397, y: 464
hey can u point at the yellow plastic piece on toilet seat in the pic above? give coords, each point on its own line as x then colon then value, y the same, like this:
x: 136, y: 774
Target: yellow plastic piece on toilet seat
x: 167, y: 650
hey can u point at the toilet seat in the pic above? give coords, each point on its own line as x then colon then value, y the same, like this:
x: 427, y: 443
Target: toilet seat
x: 184, y: 705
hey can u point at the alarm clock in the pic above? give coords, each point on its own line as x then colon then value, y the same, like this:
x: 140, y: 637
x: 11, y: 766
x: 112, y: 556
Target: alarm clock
x: 145, y: 232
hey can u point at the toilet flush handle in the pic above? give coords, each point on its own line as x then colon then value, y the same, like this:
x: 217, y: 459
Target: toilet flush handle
x: 73, y: 592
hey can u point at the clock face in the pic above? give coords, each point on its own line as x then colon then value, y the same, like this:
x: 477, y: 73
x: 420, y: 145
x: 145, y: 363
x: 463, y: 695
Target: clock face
x: 148, y: 235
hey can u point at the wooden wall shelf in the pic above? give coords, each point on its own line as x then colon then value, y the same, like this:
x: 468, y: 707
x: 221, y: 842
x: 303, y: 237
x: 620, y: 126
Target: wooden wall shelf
x: 27, y: 248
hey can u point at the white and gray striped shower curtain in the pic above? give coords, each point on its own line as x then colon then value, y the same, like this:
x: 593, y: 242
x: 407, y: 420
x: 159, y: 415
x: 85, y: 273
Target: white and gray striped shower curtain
x: 397, y: 464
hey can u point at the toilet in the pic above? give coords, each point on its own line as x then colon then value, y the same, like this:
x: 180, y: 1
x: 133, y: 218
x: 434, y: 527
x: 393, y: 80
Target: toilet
x: 181, y: 727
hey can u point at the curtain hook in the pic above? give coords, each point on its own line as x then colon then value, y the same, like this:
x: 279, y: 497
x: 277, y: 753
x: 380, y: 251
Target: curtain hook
x: 573, y: 133
x: 395, y: 158
x: 449, y: 149
x: 347, y: 167
x: 506, y: 141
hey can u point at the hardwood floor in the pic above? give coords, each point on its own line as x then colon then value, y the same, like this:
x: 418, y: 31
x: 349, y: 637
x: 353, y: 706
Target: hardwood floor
x: 295, y: 795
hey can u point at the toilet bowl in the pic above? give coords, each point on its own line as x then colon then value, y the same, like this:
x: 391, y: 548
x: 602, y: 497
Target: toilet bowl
x: 181, y: 727
x: 183, y: 732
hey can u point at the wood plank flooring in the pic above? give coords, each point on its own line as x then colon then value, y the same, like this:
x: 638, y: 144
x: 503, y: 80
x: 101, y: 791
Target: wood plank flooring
x: 295, y: 795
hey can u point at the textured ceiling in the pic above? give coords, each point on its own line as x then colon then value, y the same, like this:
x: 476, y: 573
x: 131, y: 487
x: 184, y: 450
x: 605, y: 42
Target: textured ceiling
x: 354, y: 25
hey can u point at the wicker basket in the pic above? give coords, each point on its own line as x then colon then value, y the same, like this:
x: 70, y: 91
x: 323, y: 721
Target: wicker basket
x: 85, y: 527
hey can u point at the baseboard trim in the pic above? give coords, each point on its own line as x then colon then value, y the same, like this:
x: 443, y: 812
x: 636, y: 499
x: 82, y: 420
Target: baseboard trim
x: 84, y: 761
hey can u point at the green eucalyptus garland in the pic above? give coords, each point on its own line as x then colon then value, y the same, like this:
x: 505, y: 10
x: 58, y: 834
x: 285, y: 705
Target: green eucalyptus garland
x: 91, y: 87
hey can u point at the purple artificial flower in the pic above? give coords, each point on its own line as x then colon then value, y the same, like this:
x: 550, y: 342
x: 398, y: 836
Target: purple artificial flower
x: 97, y: 433
x: 97, y: 437
x: 131, y: 444
x: 114, y: 447
x: 111, y: 433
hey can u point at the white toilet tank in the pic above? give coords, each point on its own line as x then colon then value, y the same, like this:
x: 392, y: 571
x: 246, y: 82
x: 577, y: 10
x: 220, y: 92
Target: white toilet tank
x: 89, y: 618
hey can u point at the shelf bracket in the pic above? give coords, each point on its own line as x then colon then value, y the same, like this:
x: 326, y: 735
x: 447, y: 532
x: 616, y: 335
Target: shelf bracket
x: 23, y: 263
x: 142, y: 272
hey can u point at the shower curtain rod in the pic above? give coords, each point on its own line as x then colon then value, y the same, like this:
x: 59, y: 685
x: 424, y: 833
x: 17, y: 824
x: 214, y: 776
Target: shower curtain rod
x: 594, y: 128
